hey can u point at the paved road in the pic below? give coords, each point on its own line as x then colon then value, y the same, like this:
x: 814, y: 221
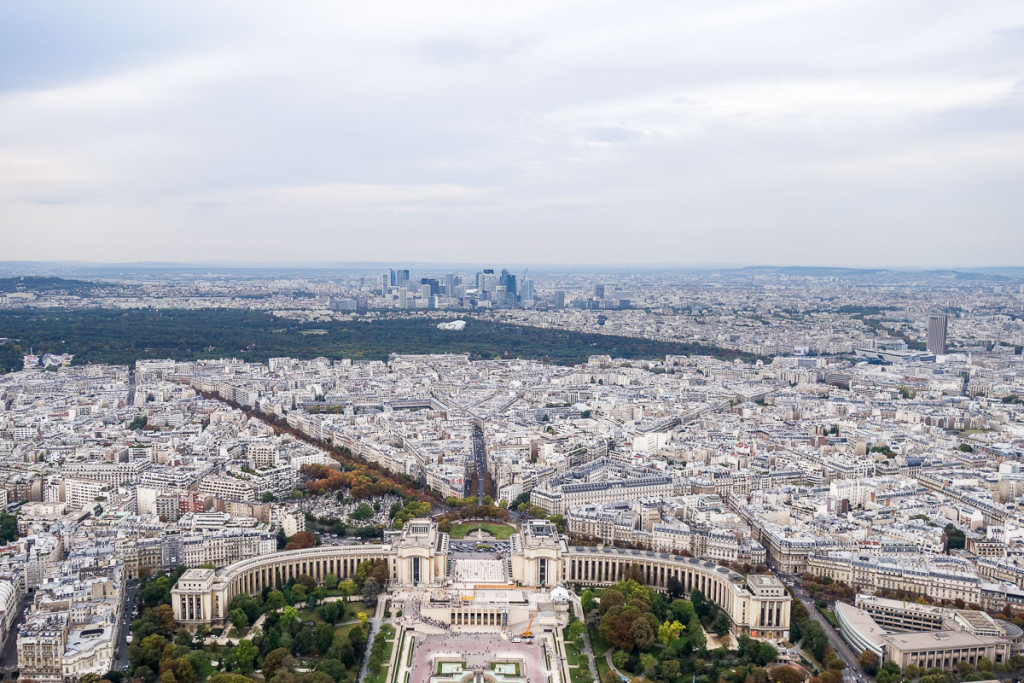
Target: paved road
x: 131, y: 599
x: 852, y: 670
x: 131, y: 388
x: 480, y: 460
x: 9, y: 655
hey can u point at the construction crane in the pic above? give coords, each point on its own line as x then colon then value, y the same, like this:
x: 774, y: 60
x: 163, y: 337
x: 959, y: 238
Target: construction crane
x: 527, y: 633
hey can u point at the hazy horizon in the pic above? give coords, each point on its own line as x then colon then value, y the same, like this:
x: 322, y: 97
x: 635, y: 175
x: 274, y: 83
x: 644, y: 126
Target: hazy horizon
x: 800, y: 133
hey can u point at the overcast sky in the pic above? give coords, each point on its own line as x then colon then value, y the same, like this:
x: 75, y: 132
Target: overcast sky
x: 876, y: 132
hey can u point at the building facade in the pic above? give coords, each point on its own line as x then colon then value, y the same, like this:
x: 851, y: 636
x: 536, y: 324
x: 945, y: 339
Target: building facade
x: 758, y: 605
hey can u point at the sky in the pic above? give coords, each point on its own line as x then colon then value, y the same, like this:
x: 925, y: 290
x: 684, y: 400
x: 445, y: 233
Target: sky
x: 870, y: 133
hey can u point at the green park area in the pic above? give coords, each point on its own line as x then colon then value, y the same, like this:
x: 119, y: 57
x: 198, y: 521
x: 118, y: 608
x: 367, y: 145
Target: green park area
x: 500, y: 532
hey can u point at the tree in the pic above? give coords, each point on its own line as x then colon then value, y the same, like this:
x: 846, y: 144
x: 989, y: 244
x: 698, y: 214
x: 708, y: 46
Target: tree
x: 330, y: 581
x: 333, y: 668
x: 648, y: 664
x: 643, y: 634
x: 766, y: 654
x: 301, y: 540
x: 324, y: 637
x: 814, y: 639
x: 868, y: 661
x: 150, y: 650
x: 610, y: 677
x: 674, y: 588
x: 362, y: 512
x: 669, y: 631
x: 371, y: 589
x: 162, y: 617
x: 238, y: 619
x: 275, y: 600
x: 700, y: 606
x: 721, y: 624
x: 305, y: 641
x: 277, y: 659
x: 619, y: 658
x: 682, y: 610
x: 786, y: 674
x: 245, y: 655
x: 576, y: 630
x: 348, y: 587
x: 317, y: 677
x: 298, y: 593
x: 587, y: 601
x: 671, y: 669
x: 288, y: 618
x: 611, y: 597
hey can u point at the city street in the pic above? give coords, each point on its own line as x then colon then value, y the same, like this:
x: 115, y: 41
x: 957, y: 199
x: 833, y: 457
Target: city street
x: 852, y: 671
x: 479, y: 460
x: 9, y: 655
x: 131, y: 595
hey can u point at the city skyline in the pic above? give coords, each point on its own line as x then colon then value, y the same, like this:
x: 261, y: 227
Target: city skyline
x: 776, y: 133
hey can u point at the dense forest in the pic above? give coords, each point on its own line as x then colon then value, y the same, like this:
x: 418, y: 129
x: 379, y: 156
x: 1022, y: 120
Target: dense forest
x: 123, y: 336
x: 49, y: 285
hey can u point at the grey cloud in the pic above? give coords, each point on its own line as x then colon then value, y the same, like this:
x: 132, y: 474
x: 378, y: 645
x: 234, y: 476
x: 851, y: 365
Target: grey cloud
x: 760, y: 132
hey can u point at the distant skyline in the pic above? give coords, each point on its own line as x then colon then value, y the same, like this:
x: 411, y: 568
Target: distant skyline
x: 871, y: 134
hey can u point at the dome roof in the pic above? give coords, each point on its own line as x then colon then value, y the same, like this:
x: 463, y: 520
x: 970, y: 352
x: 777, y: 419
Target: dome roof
x: 560, y: 594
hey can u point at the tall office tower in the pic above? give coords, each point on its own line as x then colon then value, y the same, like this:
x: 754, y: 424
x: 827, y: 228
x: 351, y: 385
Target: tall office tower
x: 392, y: 277
x: 384, y: 284
x: 435, y: 286
x: 598, y: 291
x: 402, y: 277
x: 403, y: 298
x: 937, y: 333
x: 485, y: 280
x: 508, y: 281
x: 449, y: 284
x: 558, y: 300
x: 526, y: 292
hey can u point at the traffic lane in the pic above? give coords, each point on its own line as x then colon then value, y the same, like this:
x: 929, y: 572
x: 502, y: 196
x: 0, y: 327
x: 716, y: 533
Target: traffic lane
x: 835, y: 640
x: 130, y: 602
x: 842, y: 649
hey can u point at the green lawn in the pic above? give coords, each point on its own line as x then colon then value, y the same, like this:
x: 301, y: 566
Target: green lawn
x: 309, y: 615
x: 829, y: 615
x: 355, y: 607
x: 345, y: 628
x: 572, y: 655
x: 500, y: 531
x: 385, y: 670
x: 600, y: 647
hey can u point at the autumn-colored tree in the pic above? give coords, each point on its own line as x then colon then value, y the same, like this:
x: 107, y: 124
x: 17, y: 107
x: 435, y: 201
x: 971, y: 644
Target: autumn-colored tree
x: 301, y: 540
x: 611, y: 598
x: 786, y: 674
x: 868, y: 661
x: 279, y: 659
